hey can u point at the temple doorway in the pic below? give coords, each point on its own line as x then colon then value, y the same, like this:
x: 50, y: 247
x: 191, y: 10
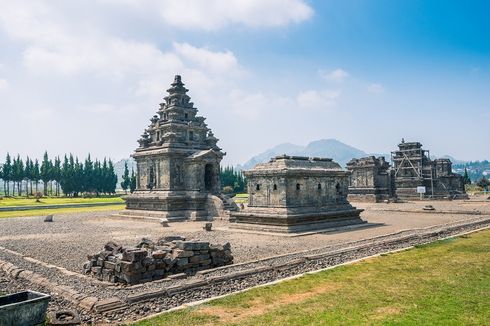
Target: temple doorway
x: 209, y: 177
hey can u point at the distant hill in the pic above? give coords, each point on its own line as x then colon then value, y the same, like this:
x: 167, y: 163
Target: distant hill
x: 119, y: 169
x: 332, y: 148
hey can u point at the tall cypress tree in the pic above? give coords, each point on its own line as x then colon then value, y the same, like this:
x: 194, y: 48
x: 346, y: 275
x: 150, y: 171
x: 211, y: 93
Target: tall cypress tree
x: 36, y: 175
x: 18, y: 174
x: 126, y: 181
x: 112, y: 178
x: 1, y: 176
x: 46, y: 172
x: 56, y: 174
x: 88, y: 180
x: 7, y: 174
x: 132, y: 184
x: 28, y: 176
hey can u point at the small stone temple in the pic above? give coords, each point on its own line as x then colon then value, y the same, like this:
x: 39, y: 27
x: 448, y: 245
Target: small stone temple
x: 178, y: 162
x: 371, y: 179
x: 296, y: 194
x: 413, y: 168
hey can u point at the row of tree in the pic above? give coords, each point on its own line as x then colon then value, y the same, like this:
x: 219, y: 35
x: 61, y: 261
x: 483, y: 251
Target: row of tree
x: 129, y: 182
x: 232, y: 180
x: 71, y: 177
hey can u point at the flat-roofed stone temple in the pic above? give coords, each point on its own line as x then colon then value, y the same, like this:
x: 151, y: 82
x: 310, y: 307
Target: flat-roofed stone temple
x: 178, y: 162
x: 371, y: 179
x: 297, y: 194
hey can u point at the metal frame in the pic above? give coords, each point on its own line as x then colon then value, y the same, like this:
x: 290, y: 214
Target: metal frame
x: 420, y: 170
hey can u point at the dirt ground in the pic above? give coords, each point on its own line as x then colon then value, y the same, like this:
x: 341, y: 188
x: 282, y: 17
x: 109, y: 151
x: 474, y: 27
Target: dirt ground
x: 71, y: 237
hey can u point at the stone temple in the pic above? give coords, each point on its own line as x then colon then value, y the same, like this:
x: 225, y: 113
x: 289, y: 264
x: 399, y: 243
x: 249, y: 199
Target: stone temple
x: 413, y: 168
x: 371, y: 179
x: 178, y: 162
x: 296, y: 194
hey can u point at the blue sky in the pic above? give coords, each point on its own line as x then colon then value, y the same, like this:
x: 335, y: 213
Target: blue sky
x: 86, y: 76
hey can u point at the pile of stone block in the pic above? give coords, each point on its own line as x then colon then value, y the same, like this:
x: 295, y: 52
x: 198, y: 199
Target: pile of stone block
x: 150, y: 260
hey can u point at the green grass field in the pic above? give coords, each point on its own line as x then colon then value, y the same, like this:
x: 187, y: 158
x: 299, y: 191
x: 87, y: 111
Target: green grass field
x: 23, y: 201
x: 241, y: 198
x: 444, y: 283
x: 41, y: 212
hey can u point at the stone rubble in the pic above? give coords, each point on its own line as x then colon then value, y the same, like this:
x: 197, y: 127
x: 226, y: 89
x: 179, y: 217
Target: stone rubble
x: 148, y: 261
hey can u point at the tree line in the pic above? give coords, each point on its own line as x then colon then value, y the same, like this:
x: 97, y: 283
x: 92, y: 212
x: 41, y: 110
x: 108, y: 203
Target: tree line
x: 232, y: 180
x: 129, y: 182
x: 72, y: 177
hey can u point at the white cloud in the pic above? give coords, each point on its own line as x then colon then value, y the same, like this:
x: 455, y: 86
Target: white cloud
x: 337, y: 75
x: 376, y: 88
x: 207, y: 59
x: 4, y: 84
x: 313, y: 99
x: 216, y: 14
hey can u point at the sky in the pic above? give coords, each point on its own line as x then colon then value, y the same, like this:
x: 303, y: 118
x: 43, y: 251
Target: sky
x: 86, y: 76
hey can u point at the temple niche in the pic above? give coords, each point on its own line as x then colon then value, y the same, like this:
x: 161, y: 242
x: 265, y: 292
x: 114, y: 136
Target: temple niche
x: 371, y: 179
x: 178, y: 162
x: 296, y: 194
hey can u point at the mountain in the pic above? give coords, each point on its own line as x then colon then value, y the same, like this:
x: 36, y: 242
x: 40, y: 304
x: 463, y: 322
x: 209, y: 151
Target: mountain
x: 119, y: 169
x: 332, y: 148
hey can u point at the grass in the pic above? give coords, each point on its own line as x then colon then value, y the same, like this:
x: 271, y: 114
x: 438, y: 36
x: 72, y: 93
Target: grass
x: 444, y: 283
x: 23, y: 201
x: 241, y: 198
x: 41, y: 212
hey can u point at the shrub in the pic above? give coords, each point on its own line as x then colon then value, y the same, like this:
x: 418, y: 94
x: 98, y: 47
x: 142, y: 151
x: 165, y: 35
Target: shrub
x: 228, y: 190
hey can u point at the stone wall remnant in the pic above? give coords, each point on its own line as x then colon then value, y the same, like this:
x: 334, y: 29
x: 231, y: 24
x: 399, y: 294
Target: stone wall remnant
x: 150, y: 261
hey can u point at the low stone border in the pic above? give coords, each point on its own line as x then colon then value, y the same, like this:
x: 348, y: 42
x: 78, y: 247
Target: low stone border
x: 200, y: 302
x: 83, y: 301
x: 207, y: 285
x: 54, y: 206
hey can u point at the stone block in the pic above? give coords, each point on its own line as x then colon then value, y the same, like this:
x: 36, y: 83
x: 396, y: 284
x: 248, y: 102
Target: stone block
x: 134, y: 255
x: 109, y: 265
x: 97, y: 270
x: 159, y: 254
x: 182, y: 262
x: 194, y: 259
x: 170, y: 239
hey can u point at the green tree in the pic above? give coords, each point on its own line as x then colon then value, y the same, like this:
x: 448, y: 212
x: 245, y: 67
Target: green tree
x: 18, y: 174
x: 232, y: 178
x: 1, y: 177
x: 28, y: 175
x: 112, y: 178
x: 78, y: 177
x: 466, y: 178
x: 56, y: 174
x: 45, y: 172
x: 126, y: 180
x: 483, y: 183
x: 7, y: 174
x: 132, y: 185
x: 36, y: 175
x: 88, y: 175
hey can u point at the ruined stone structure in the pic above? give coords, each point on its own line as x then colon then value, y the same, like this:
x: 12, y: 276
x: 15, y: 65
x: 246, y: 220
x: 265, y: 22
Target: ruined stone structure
x: 296, y: 194
x: 178, y: 162
x: 150, y: 260
x: 371, y: 179
x: 414, y: 168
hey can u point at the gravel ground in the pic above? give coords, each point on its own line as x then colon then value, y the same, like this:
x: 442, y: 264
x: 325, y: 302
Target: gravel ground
x: 68, y: 240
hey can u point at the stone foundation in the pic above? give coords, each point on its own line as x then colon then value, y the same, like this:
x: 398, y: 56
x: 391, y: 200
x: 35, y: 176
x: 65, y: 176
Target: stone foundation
x: 150, y: 261
x: 172, y: 205
x: 295, y: 221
